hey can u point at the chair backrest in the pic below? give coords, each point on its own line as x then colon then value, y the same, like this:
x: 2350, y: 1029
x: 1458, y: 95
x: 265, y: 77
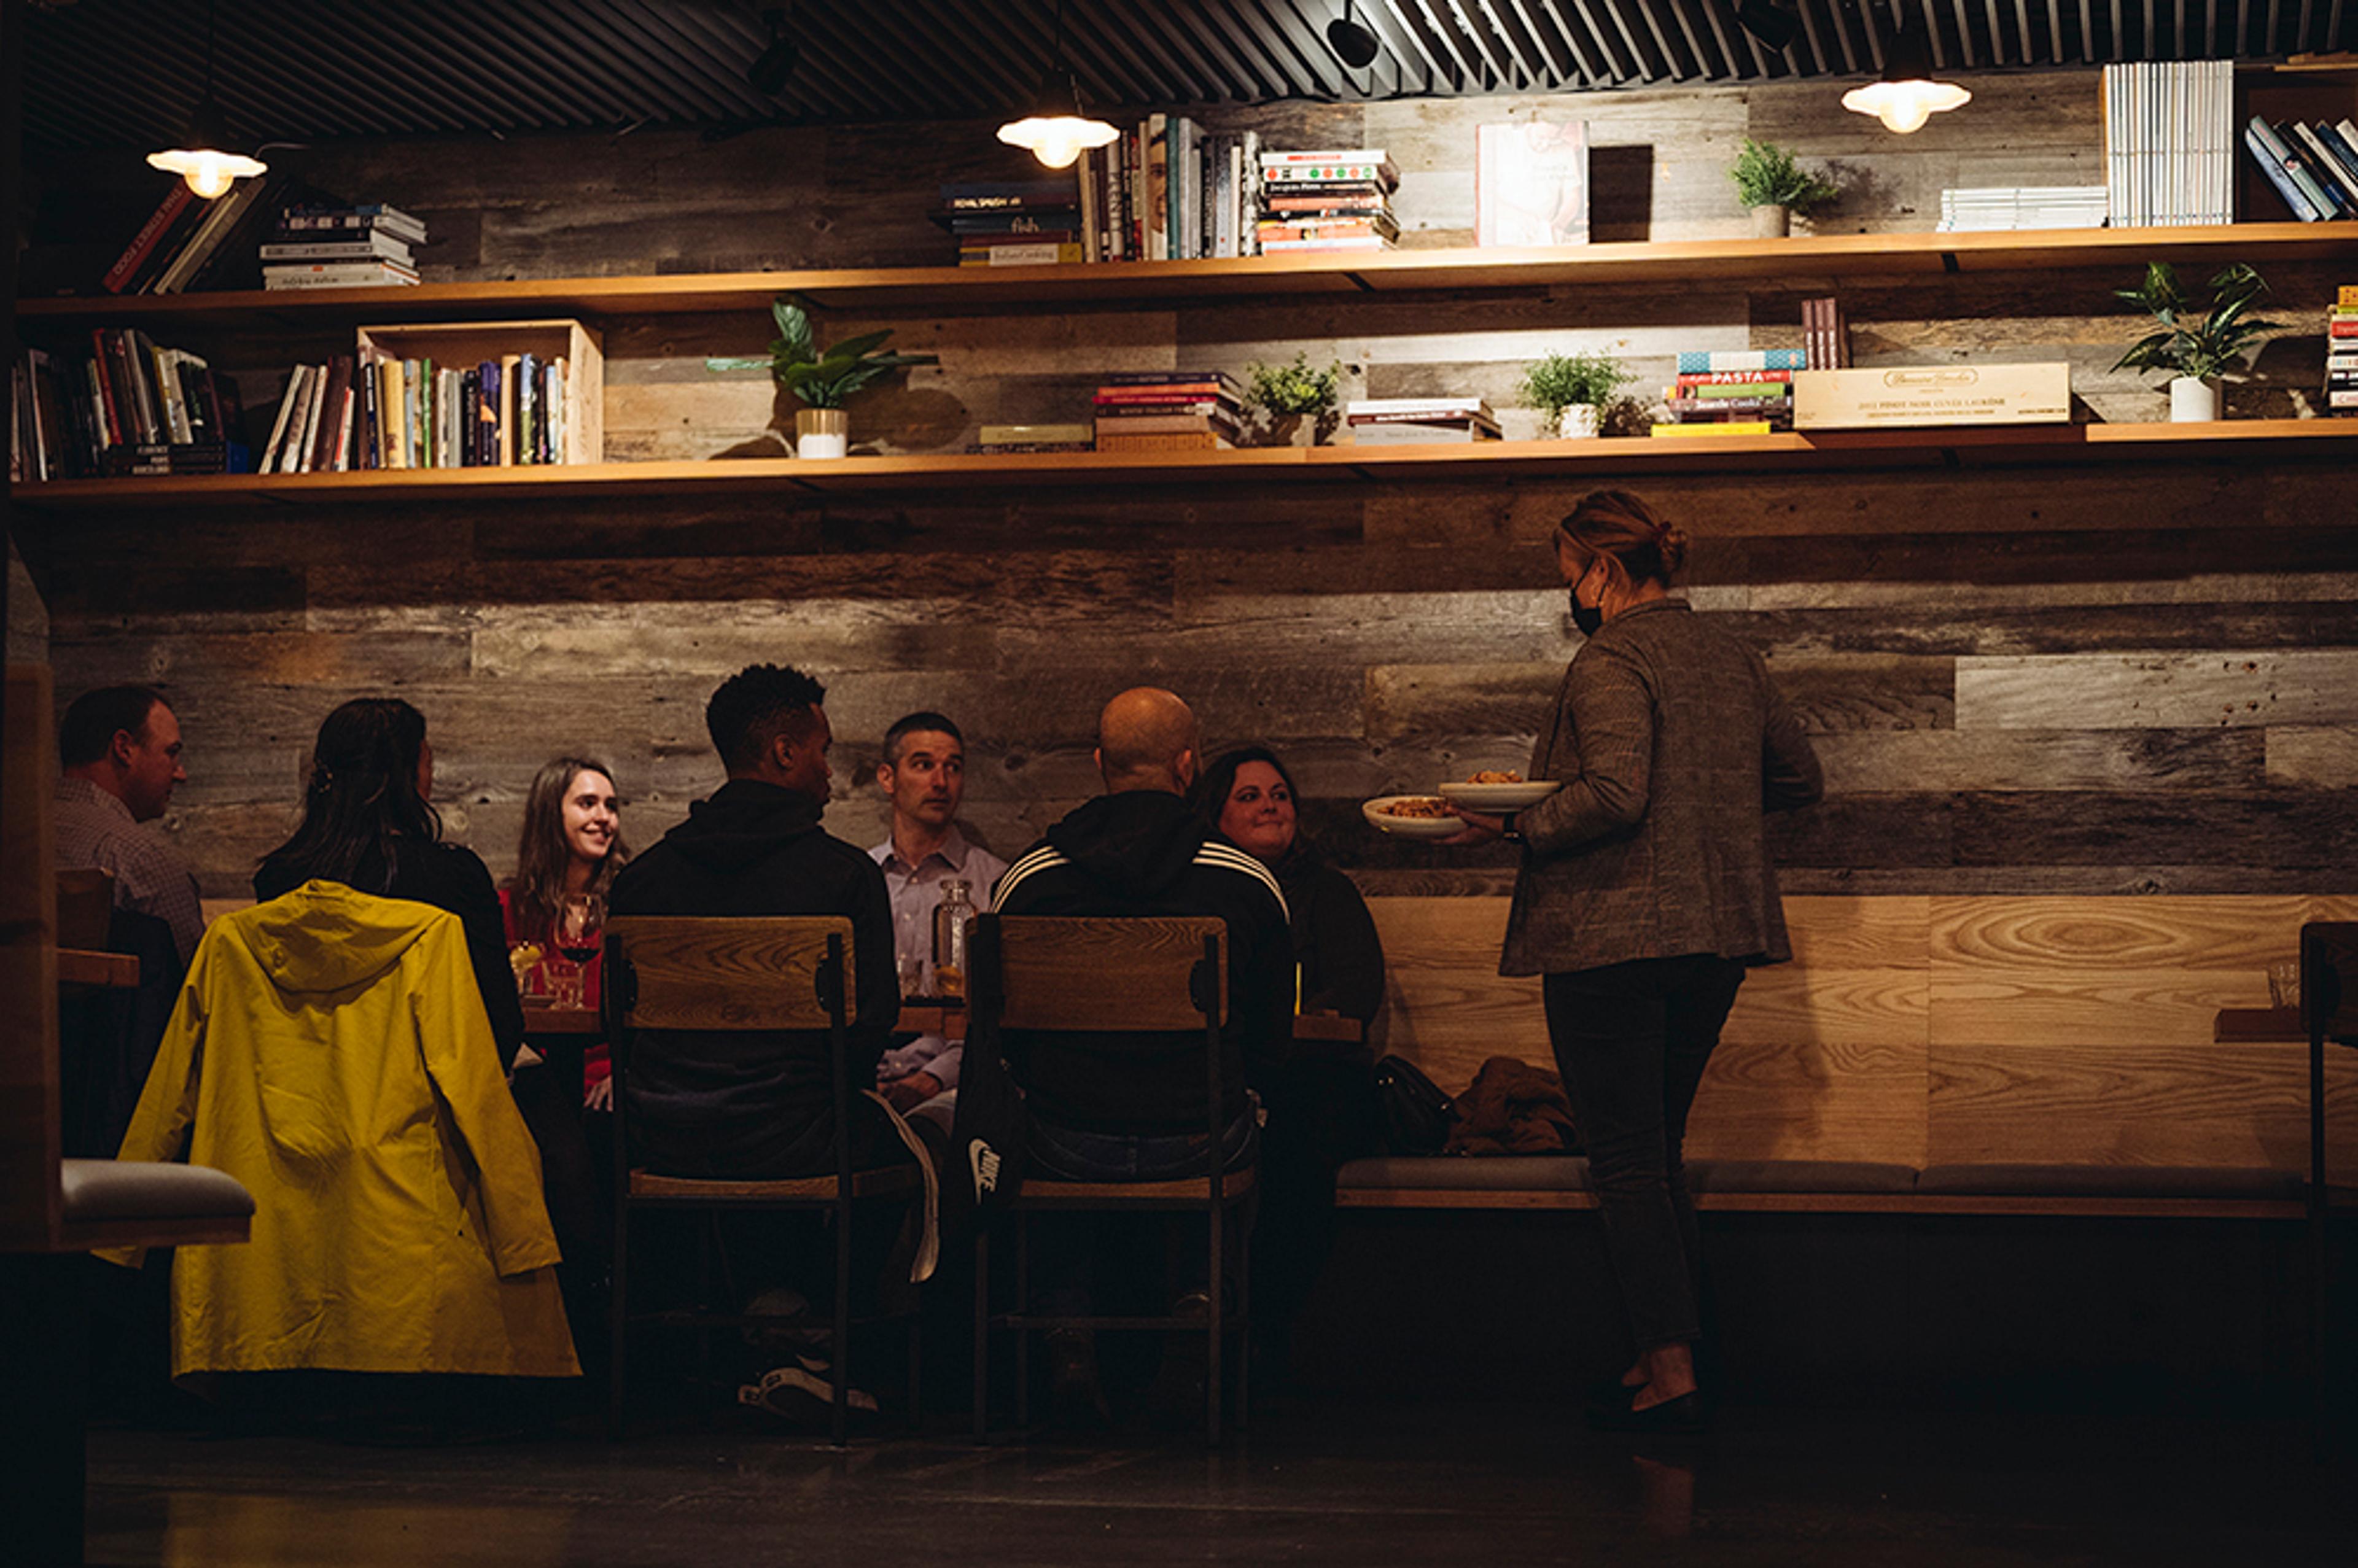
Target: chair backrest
x: 85, y: 906
x: 31, y: 1200
x: 714, y: 972
x: 1131, y: 973
x: 2329, y: 979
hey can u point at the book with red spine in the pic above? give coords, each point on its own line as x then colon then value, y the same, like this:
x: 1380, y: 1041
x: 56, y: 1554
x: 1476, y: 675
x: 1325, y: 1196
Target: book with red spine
x: 143, y: 244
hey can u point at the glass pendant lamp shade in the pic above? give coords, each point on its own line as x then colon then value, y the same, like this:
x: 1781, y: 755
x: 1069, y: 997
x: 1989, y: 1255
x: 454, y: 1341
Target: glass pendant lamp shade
x: 1057, y: 131
x: 206, y: 159
x: 1906, y: 96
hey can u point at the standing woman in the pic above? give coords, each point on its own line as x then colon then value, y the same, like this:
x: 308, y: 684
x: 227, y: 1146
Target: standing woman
x: 368, y: 822
x: 1645, y: 893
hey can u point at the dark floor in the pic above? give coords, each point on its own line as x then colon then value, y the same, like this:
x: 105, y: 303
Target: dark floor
x: 1318, y: 1481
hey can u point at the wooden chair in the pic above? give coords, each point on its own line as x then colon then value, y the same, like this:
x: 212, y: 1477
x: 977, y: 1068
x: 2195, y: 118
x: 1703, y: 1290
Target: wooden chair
x: 85, y: 906
x: 1140, y: 974
x: 2329, y: 1014
x: 50, y: 1206
x: 732, y: 973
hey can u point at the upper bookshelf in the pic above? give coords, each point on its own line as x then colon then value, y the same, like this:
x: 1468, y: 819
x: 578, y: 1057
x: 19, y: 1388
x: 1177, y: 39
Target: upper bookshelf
x: 950, y: 290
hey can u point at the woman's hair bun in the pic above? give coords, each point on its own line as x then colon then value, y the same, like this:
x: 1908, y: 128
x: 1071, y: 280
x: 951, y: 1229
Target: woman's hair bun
x: 1673, y: 544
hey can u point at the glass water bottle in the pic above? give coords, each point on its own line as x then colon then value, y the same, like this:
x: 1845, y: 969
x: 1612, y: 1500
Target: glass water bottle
x: 951, y: 918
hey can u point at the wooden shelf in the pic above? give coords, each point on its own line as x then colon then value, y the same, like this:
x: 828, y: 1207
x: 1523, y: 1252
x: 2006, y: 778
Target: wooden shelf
x: 2222, y: 441
x: 950, y: 290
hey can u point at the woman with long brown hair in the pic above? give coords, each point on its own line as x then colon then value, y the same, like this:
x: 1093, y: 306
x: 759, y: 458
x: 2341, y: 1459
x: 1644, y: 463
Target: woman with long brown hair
x: 555, y: 905
x: 1645, y: 893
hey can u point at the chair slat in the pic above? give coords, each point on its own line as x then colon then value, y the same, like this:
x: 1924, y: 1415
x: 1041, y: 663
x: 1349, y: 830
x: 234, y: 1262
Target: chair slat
x: 1135, y: 971
x: 686, y: 969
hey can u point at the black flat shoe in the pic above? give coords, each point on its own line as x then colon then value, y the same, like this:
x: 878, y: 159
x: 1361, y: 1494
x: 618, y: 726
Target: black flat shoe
x: 1681, y: 1415
x: 1610, y: 1394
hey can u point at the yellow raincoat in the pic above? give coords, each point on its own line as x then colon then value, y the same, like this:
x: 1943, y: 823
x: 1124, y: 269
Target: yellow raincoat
x: 332, y: 1053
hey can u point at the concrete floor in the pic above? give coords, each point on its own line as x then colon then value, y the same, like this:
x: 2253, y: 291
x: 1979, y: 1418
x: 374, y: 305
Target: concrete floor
x: 1318, y: 1481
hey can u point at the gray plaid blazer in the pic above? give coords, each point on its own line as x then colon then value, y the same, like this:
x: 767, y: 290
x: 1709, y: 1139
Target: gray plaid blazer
x: 1671, y: 742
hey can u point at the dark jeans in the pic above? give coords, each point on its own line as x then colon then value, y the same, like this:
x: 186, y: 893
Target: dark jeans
x: 1631, y: 1041
x: 1083, y: 1261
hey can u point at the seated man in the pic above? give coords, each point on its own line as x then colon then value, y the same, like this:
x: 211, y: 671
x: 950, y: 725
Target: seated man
x: 1132, y: 1107
x: 120, y: 748
x: 1115, y: 1105
x: 734, y: 1105
x: 923, y: 776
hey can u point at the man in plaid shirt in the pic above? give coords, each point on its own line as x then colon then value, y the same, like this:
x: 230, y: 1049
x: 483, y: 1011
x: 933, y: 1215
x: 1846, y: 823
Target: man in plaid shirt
x: 121, y: 748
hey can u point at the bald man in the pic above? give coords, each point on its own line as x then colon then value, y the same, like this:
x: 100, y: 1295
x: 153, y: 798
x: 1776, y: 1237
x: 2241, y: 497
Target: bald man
x: 1107, y: 1106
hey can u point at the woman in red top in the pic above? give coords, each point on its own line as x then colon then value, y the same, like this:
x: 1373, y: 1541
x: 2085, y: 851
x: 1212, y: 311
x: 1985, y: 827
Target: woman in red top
x: 556, y: 903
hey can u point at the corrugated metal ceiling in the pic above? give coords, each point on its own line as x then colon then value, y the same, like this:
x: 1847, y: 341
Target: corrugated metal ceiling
x: 106, y: 73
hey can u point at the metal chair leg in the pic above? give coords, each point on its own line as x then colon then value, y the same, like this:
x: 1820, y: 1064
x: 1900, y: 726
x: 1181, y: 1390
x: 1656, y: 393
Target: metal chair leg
x: 1213, y: 1334
x: 982, y: 1328
x: 618, y: 1327
x: 1023, y: 1333
x: 839, y: 1419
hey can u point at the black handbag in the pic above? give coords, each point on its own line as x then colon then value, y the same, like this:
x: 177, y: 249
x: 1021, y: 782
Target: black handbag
x: 1411, y: 1112
x: 990, y: 1128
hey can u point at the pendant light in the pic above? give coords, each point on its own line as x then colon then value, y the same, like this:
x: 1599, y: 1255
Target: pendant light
x: 205, y: 156
x: 1058, y: 129
x: 1905, y: 95
x: 1354, y: 43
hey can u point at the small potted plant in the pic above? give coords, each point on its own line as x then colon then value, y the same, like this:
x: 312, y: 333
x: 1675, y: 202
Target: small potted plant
x: 823, y: 381
x: 1774, y: 187
x: 1571, y: 391
x: 1284, y: 395
x: 2196, y: 347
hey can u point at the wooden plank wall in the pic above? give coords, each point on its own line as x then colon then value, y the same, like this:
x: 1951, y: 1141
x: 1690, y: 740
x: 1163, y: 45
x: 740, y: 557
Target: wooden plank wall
x: 1925, y: 1030
x: 2109, y: 680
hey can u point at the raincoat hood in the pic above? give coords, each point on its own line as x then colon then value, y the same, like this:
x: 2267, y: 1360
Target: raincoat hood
x: 324, y: 937
x: 741, y: 822
x: 1142, y: 841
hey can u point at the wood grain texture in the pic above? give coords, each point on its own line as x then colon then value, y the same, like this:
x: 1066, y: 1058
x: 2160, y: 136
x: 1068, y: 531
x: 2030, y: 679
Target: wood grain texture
x: 1092, y: 973
x: 743, y: 973
x: 2159, y: 691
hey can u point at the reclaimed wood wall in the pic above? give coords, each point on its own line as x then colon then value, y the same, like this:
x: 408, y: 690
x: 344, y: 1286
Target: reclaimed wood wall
x: 2124, y: 678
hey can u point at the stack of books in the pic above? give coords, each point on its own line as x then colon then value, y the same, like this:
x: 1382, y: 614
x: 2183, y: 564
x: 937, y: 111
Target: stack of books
x: 379, y: 412
x: 342, y: 247
x: 130, y: 406
x: 1168, y: 411
x: 1023, y: 223
x: 1740, y: 391
x: 1986, y: 208
x: 189, y: 241
x: 1330, y: 199
x: 2169, y: 148
x: 2314, y: 166
x: 2341, y: 352
x: 1419, y: 421
x: 1035, y: 438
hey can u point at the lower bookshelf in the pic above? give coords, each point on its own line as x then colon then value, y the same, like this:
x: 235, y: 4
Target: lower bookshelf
x: 2226, y: 440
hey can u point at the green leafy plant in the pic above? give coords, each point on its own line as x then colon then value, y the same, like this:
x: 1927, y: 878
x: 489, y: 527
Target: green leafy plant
x: 2196, y: 341
x: 821, y: 380
x: 1566, y: 381
x: 1292, y: 389
x: 1766, y: 175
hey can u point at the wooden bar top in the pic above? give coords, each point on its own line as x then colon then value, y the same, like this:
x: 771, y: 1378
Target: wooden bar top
x: 98, y: 971
x: 2243, y: 1024
x: 541, y: 1019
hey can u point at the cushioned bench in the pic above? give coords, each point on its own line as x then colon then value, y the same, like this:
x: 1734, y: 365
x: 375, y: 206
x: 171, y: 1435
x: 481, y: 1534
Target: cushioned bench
x: 1835, y: 1186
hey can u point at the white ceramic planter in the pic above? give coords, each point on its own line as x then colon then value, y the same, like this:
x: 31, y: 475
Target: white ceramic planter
x: 1578, y: 422
x: 822, y: 433
x: 2192, y: 399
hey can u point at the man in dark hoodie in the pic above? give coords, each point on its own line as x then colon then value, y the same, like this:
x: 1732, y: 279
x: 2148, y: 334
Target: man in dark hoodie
x: 1110, y: 1107
x: 736, y: 1105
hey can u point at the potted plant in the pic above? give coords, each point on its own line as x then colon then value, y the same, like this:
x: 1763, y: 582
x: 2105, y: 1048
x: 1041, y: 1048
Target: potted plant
x: 1284, y: 394
x: 2196, y: 347
x: 1774, y: 187
x: 823, y: 381
x: 1571, y: 390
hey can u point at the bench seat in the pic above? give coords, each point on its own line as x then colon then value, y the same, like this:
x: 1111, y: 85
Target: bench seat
x: 1835, y: 1186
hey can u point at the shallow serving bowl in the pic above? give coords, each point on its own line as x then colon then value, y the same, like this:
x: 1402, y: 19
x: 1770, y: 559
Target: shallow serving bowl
x: 1500, y: 796
x: 1379, y: 813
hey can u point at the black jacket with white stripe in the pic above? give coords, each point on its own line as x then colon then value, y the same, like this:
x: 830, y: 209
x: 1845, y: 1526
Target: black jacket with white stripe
x: 1144, y: 852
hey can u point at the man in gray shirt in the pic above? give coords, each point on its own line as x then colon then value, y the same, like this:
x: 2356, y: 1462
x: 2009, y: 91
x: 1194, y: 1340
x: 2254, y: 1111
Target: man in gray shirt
x: 923, y: 775
x: 121, y: 750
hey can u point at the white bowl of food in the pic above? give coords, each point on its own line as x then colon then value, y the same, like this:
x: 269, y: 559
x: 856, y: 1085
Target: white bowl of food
x: 1499, y: 791
x: 1413, y: 815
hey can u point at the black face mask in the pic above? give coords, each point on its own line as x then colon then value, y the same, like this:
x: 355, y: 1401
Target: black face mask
x: 1588, y: 617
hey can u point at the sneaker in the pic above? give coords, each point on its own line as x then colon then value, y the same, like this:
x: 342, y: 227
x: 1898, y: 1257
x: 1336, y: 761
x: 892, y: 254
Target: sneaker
x: 1075, y: 1398
x: 803, y: 1392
